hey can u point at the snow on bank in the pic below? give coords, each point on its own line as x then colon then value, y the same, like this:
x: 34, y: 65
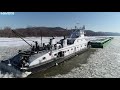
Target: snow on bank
x: 105, y: 63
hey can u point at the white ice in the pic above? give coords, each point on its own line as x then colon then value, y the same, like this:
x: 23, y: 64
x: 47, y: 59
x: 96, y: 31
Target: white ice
x: 104, y: 63
x: 100, y: 64
x: 11, y: 42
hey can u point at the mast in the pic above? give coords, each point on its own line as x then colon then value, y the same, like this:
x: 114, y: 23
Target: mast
x: 41, y: 38
x: 82, y: 31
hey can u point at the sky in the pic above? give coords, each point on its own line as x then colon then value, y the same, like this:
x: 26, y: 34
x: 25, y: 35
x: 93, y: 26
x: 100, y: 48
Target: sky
x: 96, y: 21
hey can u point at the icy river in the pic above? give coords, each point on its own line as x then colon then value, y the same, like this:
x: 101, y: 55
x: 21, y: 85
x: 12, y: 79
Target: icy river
x: 94, y: 63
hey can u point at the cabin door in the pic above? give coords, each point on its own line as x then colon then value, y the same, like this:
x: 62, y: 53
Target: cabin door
x: 75, y: 49
x: 60, y: 54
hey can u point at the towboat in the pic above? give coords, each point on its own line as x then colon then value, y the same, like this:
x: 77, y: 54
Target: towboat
x: 39, y: 58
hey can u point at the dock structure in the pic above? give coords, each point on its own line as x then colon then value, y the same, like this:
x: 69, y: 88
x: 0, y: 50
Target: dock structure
x: 100, y: 43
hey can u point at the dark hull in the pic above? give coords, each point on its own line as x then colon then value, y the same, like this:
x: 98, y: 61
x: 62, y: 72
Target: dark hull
x: 101, y: 44
x: 54, y: 62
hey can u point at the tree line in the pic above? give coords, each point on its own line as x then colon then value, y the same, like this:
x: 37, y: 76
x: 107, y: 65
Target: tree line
x: 48, y: 32
x: 34, y: 31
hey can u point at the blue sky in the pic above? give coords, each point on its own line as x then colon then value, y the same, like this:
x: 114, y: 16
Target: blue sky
x: 96, y: 21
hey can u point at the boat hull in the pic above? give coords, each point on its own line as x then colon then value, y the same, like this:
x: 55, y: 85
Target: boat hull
x: 54, y: 62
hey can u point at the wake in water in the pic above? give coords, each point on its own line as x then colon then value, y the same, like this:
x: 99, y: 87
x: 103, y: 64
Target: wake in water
x: 14, y: 75
x: 7, y: 75
x: 9, y: 72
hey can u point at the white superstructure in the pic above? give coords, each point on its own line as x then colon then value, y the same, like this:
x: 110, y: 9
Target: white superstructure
x: 65, y: 47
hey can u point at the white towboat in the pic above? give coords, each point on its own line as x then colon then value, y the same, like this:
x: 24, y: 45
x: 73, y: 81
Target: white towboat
x: 41, y: 58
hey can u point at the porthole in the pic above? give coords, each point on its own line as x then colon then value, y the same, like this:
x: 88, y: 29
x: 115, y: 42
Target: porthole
x: 55, y: 54
x: 44, y: 58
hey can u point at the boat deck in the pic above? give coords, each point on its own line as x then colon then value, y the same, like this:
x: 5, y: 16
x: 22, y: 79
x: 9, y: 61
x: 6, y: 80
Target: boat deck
x: 37, y: 55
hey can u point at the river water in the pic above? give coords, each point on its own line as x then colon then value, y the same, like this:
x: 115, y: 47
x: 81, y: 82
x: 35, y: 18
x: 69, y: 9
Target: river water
x: 104, y: 63
x: 94, y: 63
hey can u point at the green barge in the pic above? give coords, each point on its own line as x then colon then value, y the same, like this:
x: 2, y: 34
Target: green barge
x: 100, y: 43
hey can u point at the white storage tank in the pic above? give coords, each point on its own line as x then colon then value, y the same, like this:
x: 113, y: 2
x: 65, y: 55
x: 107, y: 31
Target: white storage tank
x: 64, y: 42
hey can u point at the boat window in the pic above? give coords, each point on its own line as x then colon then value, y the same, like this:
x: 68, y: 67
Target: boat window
x: 55, y: 54
x: 70, y: 41
x: 44, y: 58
